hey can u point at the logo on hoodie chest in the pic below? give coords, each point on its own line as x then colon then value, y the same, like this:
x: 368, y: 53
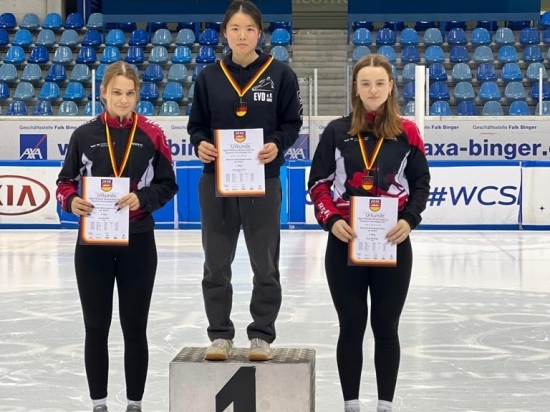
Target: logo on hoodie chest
x: 263, y: 90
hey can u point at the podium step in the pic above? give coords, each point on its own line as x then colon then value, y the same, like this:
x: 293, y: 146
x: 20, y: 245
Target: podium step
x: 284, y: 384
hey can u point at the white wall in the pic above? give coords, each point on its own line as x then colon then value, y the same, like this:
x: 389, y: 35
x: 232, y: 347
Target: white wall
x: 40, y: 7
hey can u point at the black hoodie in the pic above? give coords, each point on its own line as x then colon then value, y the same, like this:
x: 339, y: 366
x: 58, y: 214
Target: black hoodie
x: 273, y: 103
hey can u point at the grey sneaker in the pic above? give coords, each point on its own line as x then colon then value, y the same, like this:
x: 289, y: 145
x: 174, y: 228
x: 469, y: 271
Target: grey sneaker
x: 219, y: 350
x: 133, y: 408
x: 259, y: 350
x: 100, y: 408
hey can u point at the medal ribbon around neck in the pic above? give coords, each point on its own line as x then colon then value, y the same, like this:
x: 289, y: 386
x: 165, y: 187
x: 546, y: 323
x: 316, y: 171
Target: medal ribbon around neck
x: 369, y: 162
x: 116, y: 170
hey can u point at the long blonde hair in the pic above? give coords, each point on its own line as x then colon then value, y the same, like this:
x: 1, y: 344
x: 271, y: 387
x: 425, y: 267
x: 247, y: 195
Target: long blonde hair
x: 387, y: 122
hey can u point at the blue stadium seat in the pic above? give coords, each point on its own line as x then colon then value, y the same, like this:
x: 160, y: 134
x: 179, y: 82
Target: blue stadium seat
x: 182, y: 54
x: 67, y: 108
x: 128, y: 27
x: 88, y: 108
x: 169, y: 108
x: 8, y: 21
x: 437, y: 72
x: 92, y: 38
x: 149, y: 91
x: 69, y: 38
x: 545, y: 109
x: 185, y: 25
x: 115, y: 38
x: 97, y: 95
x: 145, y: 108
x: 358, y: 52
x: 56, y: 73
x: 74, y: 21
x: 489, y: 25
x: 153, y: 26
x: 110, y: 55
x: 409, y: 109
x: 492, y: 108
x: 395, y: 74
x: 535, y: 91
x: 274, y: 25
x: 100, y: 71
x: 388, y: 52
x: 173, y: 91
x: 279, y: 53
x: 519, y: 108
x: 4, y: 38
x: 209, y: 37
x: 385, y: 36
x: 511, y: 72
x: 30, y: 21
x: 489, y: 91
x: 424, y: 25
x: 504, y: 36
x: 395, y: 25
x: 466, y: 108
x: 461, y: 72
x: 433, y: 37
x: 362, y: 25
x: 409, y: 37
x: 8, y: 73
x: 197, y: 70
x: 52, y: 21
x: 42, y: 108
x: 188, y: 108
x: 518, y: 24
x: 191, y: 93
x: 459, y: 54
x: 409, y: 72
x: 532, y: 53
x: 17, y: 108
x: 483, y: 54
x: 153, y: 73
x: 280, y: 37
x: 464, y: 91
x: 158, y: 55
x: 86, y: 55
x: 24, y: 91
x: 95, y: 21
x: 63, y: 55
x: 15, y: 55
x: 455, y: 24
x: 139, y: 38
x: 434, y: 54
x: 80, y: 73
x: 408, y: 91
x: 439, y: 91
x: 214, y: 25
x: 177, y: 73
x: 74, y: 91
x: 185, y: 37
x: 546, y: 36
x: 362, y: 37
x: 32, y: 73
x: 135, y: 55
x: 544, y: 21
x: 22, y: 38
x: 515, y: 91
x: 507, y: 54
x: 135, y: 69
x: 45, y: 38
x: 206, y: 54
x: 39, y: 55
x: 529, y: 35
x: 533, y: 72
x: 4, y: 91
x: 457, y: 37
x: 162, y: 37
x: 410, y: 54
x: 440, y: 108
x: 480, y: 37
x: 49, y: 91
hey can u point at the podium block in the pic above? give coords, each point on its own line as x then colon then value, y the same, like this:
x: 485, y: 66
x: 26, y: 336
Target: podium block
x: 284, y: 384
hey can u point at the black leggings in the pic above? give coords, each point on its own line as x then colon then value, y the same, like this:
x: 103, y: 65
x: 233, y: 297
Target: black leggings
x: 349, y: 286
x: 133, y: 268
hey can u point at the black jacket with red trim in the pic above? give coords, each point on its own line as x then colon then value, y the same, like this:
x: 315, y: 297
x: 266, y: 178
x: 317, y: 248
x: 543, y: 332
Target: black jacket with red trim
x: 337, y: 170
x: 273, y: 104
x: 149, y: 166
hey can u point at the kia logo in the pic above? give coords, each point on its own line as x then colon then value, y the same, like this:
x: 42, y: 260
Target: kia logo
x: 20, y: 195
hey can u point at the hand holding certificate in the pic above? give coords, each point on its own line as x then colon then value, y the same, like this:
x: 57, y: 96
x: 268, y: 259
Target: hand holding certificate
x: 371, y: 219
x: 107, y: 224
x: 238, y: 169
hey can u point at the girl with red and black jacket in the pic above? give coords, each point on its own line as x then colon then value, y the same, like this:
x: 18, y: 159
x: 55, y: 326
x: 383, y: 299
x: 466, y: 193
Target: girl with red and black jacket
x: 372, y: 152
x: 119, y: 143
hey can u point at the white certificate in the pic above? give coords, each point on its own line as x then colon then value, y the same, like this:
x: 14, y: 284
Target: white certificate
x: 238, y: 170
x: 106, y: 225
x: 372, y: 218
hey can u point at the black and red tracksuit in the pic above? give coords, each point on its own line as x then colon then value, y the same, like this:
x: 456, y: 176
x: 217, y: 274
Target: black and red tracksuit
x: 152, y: 179
x: 337, y: 171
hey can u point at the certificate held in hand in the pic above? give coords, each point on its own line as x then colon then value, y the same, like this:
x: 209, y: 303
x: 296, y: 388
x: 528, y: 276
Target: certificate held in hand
x: 238, y: 169
x: 372, y: 218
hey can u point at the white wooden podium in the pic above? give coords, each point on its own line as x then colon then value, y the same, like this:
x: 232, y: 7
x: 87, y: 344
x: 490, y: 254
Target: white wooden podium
x: 284, y: 384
